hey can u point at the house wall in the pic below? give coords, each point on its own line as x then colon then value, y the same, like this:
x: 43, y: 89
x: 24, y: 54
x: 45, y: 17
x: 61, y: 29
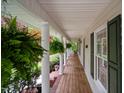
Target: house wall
x: 114, y: 9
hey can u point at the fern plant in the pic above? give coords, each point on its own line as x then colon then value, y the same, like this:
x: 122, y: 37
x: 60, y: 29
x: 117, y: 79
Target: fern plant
x: 68, y: 45
x: 20, y: 52
x: 56, y: 46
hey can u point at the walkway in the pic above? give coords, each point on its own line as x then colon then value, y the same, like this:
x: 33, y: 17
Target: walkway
x: 74, y: 79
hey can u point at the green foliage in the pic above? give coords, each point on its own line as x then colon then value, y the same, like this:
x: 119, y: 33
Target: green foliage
x: 56, y: 46
x: 6, y: 66
x: 20, y: 53
x: 54, y: 59
x: 68, y: 45
x: 74, y: 47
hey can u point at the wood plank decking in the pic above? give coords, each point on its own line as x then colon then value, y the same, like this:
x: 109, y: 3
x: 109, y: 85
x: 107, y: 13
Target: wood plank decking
x: 74, y: 79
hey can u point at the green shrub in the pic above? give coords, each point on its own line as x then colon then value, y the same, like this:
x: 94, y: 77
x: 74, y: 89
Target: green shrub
x: 74, y: 47
x: 54, y: 59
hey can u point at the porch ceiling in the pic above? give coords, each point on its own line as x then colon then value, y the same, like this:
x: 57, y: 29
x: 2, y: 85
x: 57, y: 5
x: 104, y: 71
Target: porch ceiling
x: 23, y: 15
x: 74, y: 16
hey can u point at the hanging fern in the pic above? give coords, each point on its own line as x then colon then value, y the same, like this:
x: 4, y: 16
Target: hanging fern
x: 68, y: 45
x: 19, y: 51
x: 56, y: 46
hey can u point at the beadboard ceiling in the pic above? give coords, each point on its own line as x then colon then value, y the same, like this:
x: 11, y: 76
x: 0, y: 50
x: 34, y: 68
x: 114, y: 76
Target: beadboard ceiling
x: 74, y: 16
x: 23, y: 15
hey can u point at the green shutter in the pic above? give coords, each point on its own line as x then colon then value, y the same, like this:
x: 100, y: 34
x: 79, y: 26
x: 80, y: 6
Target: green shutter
x: 114, y: 55
x: 92, y: 54
x: 84, y: 53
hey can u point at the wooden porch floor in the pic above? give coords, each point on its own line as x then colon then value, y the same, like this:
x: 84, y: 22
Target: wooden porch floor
x: 74, y: 79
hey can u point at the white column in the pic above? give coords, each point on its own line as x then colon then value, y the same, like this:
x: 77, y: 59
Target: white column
x: 65, y: 52
x: 45, y: 59
x: 61, y: 64
x: 61, y: 60
x: 69, y: 52
x: 65, y: 58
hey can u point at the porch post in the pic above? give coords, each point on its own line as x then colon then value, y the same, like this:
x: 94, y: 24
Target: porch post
x: 69, y: 52
x: 45, y: 59
x: 65, y: 51
x: 61, y: 60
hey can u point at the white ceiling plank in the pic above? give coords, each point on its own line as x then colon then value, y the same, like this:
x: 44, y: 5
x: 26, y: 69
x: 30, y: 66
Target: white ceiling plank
x: 74, y: 16
x: 69, y: 17
x: 74, y: 1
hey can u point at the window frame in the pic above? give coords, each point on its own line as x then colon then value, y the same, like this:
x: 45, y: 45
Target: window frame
x: 97, y: 81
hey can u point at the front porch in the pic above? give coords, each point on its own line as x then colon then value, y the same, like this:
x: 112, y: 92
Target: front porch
x: 95, y: 27
x: 73, y: 79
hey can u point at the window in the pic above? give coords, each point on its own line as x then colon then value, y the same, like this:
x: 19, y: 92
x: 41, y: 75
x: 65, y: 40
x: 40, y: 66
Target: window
x: 101, y: 57
x: 101, y: 43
